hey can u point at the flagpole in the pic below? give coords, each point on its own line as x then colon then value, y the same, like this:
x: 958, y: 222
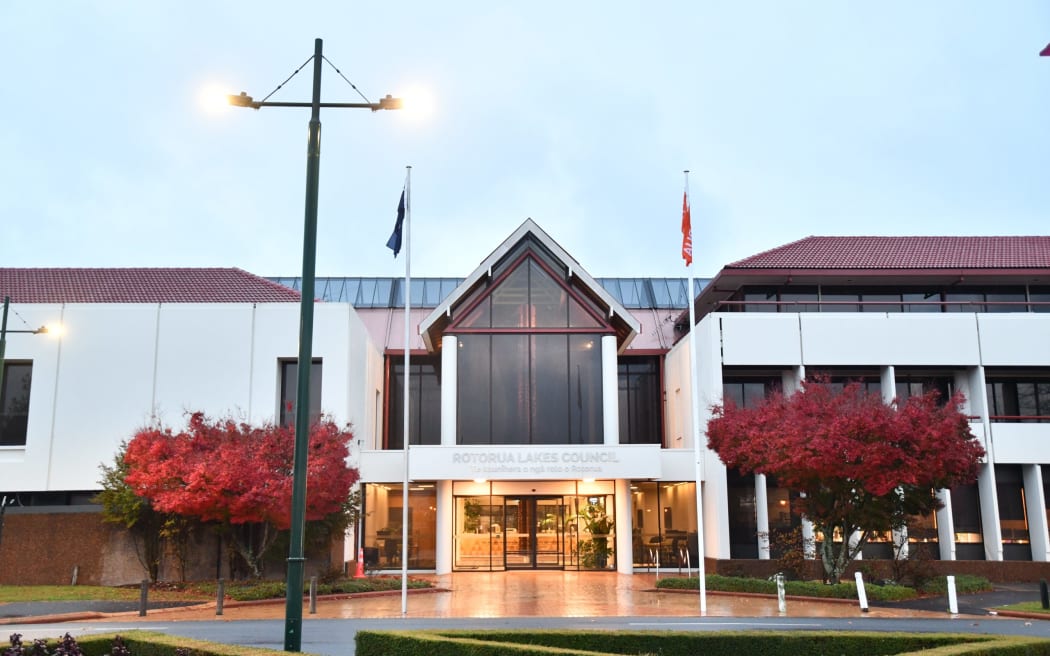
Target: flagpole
x: 408, y: 348
x: 694, y: 398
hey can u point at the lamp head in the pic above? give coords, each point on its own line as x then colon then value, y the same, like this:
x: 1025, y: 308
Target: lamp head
x: 389, y: 102
x: 241, y: 100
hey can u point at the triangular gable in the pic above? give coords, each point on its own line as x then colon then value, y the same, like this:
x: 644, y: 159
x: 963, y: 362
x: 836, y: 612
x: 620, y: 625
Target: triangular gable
x: 580, y: 283
x: 529, y: 296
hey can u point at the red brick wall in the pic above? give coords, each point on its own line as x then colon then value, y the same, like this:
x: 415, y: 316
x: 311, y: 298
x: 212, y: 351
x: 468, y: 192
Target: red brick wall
x: 41, y: 546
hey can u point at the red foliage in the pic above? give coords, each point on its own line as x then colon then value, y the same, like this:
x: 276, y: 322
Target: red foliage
x: 817, y: 436
x: 236, y: 473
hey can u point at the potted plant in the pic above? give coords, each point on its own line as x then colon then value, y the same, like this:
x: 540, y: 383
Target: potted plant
x: 594, y: 553
x: 472, y: 516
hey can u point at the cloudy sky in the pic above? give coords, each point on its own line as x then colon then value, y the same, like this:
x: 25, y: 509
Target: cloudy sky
x: 824, y: 117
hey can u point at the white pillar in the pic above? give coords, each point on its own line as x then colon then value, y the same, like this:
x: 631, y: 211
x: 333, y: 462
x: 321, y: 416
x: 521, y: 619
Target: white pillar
x: 449, y: 390
x: 610, y: 391
x: 624, y: 526
x: 762, y: 516
x: 946, y: 526
x: 1035, y: 506
x: 445, y: 530
x: 809, y: 547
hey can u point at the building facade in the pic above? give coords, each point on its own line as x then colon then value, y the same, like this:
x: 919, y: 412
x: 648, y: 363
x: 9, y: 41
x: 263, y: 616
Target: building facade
x: 550, y: 412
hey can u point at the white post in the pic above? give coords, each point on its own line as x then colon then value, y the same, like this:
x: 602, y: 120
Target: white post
x: 695, y: 405
x: 862, y: 595
x: 953, y: 600
x: 781, y: 599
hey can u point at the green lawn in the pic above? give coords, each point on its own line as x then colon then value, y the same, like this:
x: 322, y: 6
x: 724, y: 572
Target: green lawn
x: 15, y: 593
x: 1026, y: 607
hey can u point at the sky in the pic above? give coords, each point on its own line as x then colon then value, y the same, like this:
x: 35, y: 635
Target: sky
x: 823, y: 117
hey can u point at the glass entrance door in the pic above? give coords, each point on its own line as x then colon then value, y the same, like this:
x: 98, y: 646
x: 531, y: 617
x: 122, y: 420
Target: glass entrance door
x: 535, y: 532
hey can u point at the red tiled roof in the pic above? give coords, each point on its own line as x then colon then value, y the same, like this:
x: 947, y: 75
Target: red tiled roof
x: 207, y: 285
x: 904, y: 253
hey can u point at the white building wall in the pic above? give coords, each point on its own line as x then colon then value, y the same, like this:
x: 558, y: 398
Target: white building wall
x: 116, y: 366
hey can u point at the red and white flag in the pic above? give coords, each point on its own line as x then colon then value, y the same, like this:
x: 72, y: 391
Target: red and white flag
x: 1046, y: 51
x: 687, y: 231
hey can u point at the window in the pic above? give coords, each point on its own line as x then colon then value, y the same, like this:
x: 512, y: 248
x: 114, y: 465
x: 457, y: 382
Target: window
x: 289, y: 371
x: 382, y: 536
x: 424, y: 421
x: 909, y: 384
x: 14, y: 403
x: 748, y: 391
x: 529, y: 356
x: 1019, y: 397
x: 640, y: 400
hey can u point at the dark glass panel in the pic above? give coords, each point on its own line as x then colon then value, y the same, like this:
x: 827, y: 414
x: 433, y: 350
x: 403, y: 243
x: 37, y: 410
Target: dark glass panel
x: 640, y: 400
x: 880, y: 302
x: 966, y: 510
x: 510, y: 300
x: 733, y: 393
x: 766, y: 301
x: 957, y: 301
x: 425, y: 406
x: 550, y: 389
x: 837, y: 301
x: 928, y: 301
x: 1006, y: 300
x: 799, y: 300
x: 474, y: 402
x: 580, y: 318
x: 585, y: 389
x: 743, y: 515
x: 1009, y: 490
x: 1043, y: 398
x: 1026, y: 401
x: 289, y: 391
x: 479, y: 317
x: 510, y: 389
x: 548, y: 299
x: 14, y: 403
x: 1039, y: 298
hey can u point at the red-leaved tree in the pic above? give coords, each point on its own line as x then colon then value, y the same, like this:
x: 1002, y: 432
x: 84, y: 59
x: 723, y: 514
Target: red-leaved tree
x: 863, y: 466
x: 239, y: 476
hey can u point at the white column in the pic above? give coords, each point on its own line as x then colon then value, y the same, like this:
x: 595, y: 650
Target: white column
x: 443, y: 547
x: 624, y: 526
x: 888, y: 383
x: 945, y: 526
x: 610, y: 391
x: 1035, y: 506
x: 449, y: 390
x: 762, y: 516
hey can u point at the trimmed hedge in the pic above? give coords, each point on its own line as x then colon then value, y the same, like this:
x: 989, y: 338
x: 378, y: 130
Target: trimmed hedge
x: 149, y: 643
x: 256, y: 590
x: 716, y: 643
x: 845, y: 590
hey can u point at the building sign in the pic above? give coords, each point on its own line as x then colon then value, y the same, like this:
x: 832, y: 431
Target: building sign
x: 514, y: 462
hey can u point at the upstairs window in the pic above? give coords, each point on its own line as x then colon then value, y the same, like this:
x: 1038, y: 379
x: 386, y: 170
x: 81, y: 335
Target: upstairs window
x: 14, y: 403
x: 424, y: 419
x: 640, y: 400
x: 289, y: 372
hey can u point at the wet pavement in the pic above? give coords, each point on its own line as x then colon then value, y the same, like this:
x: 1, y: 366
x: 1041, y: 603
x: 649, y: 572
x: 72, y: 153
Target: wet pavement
x: 547, y: 594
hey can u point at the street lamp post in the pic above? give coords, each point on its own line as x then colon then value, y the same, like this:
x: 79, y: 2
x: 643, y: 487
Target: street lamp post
x: 296, y: 558
x: 3, y: 340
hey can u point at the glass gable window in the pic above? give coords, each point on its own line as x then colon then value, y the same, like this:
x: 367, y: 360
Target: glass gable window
x: 424, y: 419
x: 529, y: 360
x: 14, y: 403
x: 640, y: 400
x: 289, y: 371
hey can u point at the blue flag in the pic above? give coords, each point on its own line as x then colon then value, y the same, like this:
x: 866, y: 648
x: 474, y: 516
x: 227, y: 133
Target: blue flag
x: 394, y: 243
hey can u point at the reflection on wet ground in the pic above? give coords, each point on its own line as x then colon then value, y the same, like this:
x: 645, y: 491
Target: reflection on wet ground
x: 540, y: 594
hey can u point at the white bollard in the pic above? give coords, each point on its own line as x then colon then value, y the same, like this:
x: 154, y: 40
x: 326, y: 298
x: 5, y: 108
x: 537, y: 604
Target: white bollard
x: 781, y: 602
x: 953, y: 600
x: 862, y: 595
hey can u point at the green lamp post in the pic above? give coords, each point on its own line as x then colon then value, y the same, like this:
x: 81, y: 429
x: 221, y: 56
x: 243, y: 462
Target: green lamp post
x: 296, y: 558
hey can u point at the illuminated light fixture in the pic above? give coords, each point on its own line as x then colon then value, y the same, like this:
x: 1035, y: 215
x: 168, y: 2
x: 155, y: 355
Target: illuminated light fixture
x: 588, y: 480
x: 479, y: 480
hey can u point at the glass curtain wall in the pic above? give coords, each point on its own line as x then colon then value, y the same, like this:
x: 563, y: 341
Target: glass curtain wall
x: 499, y: 532
x: 665, y: 529
x: 382, y: 522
